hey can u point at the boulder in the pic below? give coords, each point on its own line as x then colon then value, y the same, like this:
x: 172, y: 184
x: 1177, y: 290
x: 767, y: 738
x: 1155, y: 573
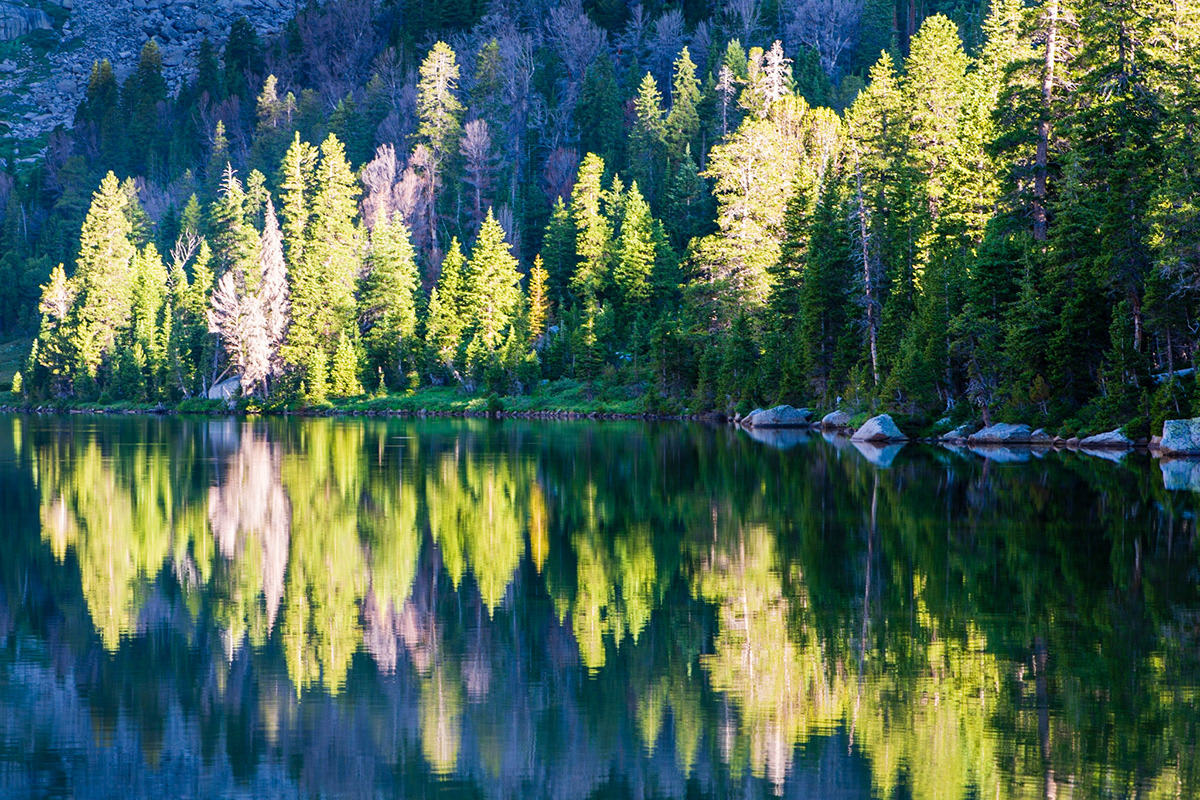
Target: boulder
x: 226, y: 389
x: 1110, y: 440
x: 878, y: 454
x: 835, y: 420
x: 1180, y: 475
x: 1003, y: 433
x: 879, y: 429
x: 778, y: 417
x: 1002, y: 455
x: 1041, y: 437
x: 959, y: 434
x: 779, y: 438
x: 1181, y: 437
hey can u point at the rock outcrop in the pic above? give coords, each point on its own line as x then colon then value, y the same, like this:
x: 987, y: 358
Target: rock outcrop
x: 113, y: 30
x: 1110, y: 440
x: 18, y: 20
x: 1181, y: 437
x: 226, y: 390
x: 1003, y: 433
x: 958, y: 435
x: 879, y: 429
x: 778, y: 417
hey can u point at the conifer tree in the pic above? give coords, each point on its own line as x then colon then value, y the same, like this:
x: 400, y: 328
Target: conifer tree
x: 593, y: 232
x: 683, y: 121
x: 104, y: 275
x: 387, y: 301
x: 445, y: 322
x: 599, y: 116
x: 648, y: 139
x: 492, y: 293
x: 344, y: 380
x: 635, y: 251
x: 539, y: 301
x: 440, y: 114
x: 558, y: 250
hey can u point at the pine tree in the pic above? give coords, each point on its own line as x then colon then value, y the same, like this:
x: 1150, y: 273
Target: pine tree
x: 492, y: 292
x: 387, y: 301
x: 593, y: 232
x: 558, y: 250
x: 104, y: 275
x: 234, y: 241
x: 648, y: 139
x: 599, y: 116
x: 444, y: 320
x: 635, y: 251
x: 539, y: 302
x: 440, y: 113
x: 54, y: 349
x: 344, y: 375
x: 683, y: 121
x: 142, y: 93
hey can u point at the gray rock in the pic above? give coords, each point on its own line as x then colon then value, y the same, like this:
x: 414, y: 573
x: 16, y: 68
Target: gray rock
x: 879, y: 455
x: 66, y: 86
x: 1181, y: 437
x: 778, y: 417
x: 1180, y: 475
x: 1002, y: 455
x: 779, y: 438
x: 1116, y: 454
x: 879, y: 429
x: 835, y: 420
x: 226, y: 389
x: 1003, y: 433
x: 1041, y: 437
x: 959, y: 434
x: 1114, y: 440
x: 17, y: 21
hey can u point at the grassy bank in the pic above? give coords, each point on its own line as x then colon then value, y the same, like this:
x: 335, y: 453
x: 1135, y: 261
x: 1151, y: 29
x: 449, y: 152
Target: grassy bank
x: 564, y: 396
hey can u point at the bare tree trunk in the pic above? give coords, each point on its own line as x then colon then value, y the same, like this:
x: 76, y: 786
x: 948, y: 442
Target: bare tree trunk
x: 864, y: 244
x: 1043, y: 142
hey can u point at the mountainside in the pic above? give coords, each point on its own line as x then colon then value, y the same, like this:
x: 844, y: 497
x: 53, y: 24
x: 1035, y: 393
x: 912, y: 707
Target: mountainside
x: 47, y: 50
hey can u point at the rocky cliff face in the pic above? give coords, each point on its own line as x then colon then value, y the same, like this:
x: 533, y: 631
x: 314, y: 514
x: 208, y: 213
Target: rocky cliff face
x: 44, y: 80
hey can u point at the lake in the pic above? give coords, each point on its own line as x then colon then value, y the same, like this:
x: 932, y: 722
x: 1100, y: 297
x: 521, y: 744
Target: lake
x: 482, y: 608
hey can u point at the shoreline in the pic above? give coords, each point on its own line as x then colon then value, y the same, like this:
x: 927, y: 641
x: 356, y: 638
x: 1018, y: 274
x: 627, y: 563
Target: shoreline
x: 165, y: 411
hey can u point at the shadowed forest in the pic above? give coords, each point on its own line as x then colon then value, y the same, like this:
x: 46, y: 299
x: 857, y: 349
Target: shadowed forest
x: 947, y: 210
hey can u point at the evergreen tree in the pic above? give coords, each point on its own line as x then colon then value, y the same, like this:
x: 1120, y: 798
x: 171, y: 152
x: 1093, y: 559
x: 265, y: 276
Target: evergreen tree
x: 440, y: 113
x: 444, y: 321
x: 598, y: 116
x: 593, y: 232
x: 104, y: 276
x: 648, y: 139
x: 683, y: 121
x: 387, y: 302
x: 635, y: 251
x: 492, y: 293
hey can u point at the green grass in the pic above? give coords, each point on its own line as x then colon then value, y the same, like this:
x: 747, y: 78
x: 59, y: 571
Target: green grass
x: 562, y: 395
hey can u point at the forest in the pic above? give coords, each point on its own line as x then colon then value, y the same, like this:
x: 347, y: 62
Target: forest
x: 945, y: 211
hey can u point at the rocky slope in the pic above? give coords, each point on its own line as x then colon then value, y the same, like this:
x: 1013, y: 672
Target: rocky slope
x: 50, y: 49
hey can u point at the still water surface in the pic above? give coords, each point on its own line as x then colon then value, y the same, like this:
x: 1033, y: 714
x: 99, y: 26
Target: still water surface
x: 370, y: 608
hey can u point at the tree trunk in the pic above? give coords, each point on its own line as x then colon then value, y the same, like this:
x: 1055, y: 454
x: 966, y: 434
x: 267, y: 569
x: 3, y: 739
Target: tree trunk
x: 1043, y: 140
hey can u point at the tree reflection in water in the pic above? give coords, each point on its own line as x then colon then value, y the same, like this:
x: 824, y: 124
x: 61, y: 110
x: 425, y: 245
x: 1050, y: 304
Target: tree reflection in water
x: 352, y: 607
